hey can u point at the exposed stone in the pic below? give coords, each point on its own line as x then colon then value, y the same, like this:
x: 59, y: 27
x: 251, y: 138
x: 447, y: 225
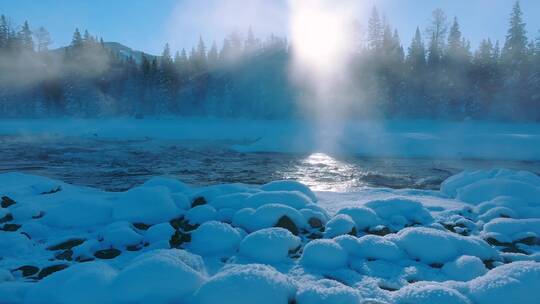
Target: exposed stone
x: 286, y: 223
x: 177, y: 222
x: 10, y: 227
x: 379, y: 230
x: 51, y: 269
x: 6, y: 202
x: 66, y: 244
x: 141, y: 226
x: 353, y: 232
x: 65, y: 255
x: 54, y: 190
x: 178, y: 238
x: 495, y: 242
x: 136, y: 247
x: 7, y: 218
x: 27, y: 270
x: 39, y: 215
x: 198, y: 201
x: 107, y: 254
x: 315, y: 222
x: 531, y: 241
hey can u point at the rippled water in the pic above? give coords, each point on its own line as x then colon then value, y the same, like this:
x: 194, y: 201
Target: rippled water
x: 118, y: 165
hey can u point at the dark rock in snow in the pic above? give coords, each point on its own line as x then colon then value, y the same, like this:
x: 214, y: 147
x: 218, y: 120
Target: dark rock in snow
x: 141, y: 226
x: 531, y: 241
x: 10, y: 227
x: 107, y: 254
x: 353, y: 232
x: 287, y: 223
x: 136, y: 247
x: 82, y: 259
x: 179, y: 238
x: 54, y: 190
x: 7, y: 218
x: 66, y: 244
x: 27, y: 270
x: 198, y: 201
x: 315, y: 222
x: 65, y: 255
x: 6, y: 202
x: 314, y: 236
x: 495, y: 242
x: 177, y: 222
x: 51, y: 269
x: 39, y: 215
x: 379, y: 230
x: 436, y: 265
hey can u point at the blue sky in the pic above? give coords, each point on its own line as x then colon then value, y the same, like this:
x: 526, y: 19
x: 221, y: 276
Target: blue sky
x: 148, y: 24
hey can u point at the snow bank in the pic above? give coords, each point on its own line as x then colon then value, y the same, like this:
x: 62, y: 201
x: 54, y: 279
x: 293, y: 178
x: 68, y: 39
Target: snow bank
x: 149, y: 205
x: 269, y: 245
x: 246, y: 284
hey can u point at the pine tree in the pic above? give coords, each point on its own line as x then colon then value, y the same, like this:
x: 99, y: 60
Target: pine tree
x: 437, y: 31
x: 416, y: 57
x: 455, y: 41
x: 4, y: 32
x: 375, y: 30
x: 213, y: 55
x: 515, y: 46
x: 252, y: 44
x: 77, y: 41
x: 43, y: 39
x: 25, y: 37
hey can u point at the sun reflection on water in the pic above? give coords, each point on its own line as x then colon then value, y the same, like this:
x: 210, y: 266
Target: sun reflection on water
x: 322, y: 172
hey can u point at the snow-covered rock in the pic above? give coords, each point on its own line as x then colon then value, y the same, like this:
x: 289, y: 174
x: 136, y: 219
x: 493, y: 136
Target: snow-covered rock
x: 160, y: 276
x: 267, y: 216
x: 326, y: 292
x: 293, y: 199
x: 215, y: 238
x: 246, y: 284
x: 465, y: 268
x: 324, y: 254
x: 363, y: 217
x: 399, y: 212
x: 174, y: 185
x: 149, y: 205
x: 120, y: 234
x: 201, y: 214
x: 509, y: 230
x: 79, y: 212
x: 159, y: 232
x: 269, y: 245
x: 429, y: 293
x: 378, y: 247
x: 516, y: 282
x: 289, y: 185
x: 339, y: 225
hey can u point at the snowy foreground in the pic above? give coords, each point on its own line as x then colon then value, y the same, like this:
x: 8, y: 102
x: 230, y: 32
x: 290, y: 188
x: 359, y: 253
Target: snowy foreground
x: 474, y: 241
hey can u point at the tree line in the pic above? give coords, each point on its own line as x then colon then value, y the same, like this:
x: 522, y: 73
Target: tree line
x: 438, y: 75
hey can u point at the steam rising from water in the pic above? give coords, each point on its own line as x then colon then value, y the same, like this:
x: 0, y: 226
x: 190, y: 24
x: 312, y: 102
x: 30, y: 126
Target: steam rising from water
x: 322, y: 37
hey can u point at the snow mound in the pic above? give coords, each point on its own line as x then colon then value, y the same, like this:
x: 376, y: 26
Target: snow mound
x: 289, y: 185
x: 378, y: 247
x: 269, y: 245
x: 82, y: 283
x: 339, y: 225
x: 293, y: 199
x: 160, y: 276
x: 516, y: 282
x: 16, y: 184
x: 363, y: 217
x: 429, y: 293
x: 437, y: 246
x: 400, y: 212
x: 79, y: 212
x: 149, y: 205
x: 174, y: 186
x: 246, y: 284
x: 509, y: 230
x: 215, y: 238
x: 267, y: 216
x: 326, y: 292
x: 324, y: 254
x: 120, y: 234
x: 201, y: 214
x: 465, y: 268
x: 159, y: 232
x: 235, y: 201
x: 484, y: 185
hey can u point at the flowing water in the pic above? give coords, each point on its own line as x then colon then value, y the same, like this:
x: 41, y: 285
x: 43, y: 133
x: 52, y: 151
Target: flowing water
x: 117, y: 165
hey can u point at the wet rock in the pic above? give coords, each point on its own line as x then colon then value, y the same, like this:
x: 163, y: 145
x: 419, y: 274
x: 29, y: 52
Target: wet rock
x: 52, y: 191
x: 198, y: 201
x: 65, y: 255
x: 177, y: 222
x: 136, y: 247
x: 50, y: 270
x: 315, y: 222
x: 10, y: 227
x: 6, y: 202
x: 141, y: 226
x: 66, y: 244
x: 495, y: 242
x: 179, y: 238
x: 379, y: 230
x: 27, y: 270
x: 107, y: 254
x: 7, y: 218
x: 39, y: 215
x: 286, y: 223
